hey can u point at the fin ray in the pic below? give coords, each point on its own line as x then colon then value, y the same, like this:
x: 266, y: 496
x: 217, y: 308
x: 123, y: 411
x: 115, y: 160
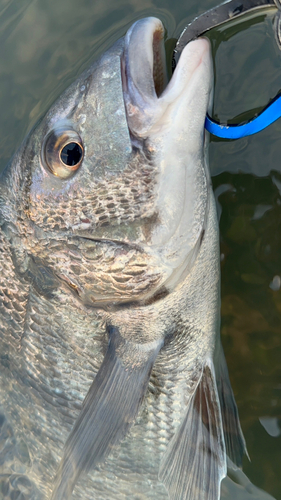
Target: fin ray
x: 195, y: 461
x: 109, y: 409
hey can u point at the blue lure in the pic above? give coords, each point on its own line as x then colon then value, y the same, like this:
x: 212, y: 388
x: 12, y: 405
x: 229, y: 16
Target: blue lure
x: 269, y: 115
x: 220, y: 15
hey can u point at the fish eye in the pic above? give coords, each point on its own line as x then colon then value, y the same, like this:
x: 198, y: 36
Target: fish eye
x: 71, y: 154
x: 62, y: 152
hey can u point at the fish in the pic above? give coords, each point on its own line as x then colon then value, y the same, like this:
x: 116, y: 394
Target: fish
x: 114, y: 383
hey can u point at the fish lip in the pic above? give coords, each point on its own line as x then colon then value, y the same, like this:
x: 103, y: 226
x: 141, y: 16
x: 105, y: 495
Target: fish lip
x: 149, y: 54
x: 141, y: 89
x: 146, y: 90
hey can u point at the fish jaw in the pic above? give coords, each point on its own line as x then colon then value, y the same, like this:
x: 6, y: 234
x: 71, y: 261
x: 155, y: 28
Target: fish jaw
x: 171, y: 125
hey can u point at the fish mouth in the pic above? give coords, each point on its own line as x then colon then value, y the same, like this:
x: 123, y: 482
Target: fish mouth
x: 144, y: 74
x: 146, y: 88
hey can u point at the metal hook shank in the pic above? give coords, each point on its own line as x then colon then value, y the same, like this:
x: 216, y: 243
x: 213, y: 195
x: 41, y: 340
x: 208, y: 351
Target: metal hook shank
x: 219, y: 15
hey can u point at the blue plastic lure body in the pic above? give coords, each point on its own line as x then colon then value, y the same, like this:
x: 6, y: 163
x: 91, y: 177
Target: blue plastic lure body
x: 269, y: 115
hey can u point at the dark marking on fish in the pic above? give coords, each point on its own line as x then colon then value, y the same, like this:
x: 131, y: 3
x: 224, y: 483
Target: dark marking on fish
x: 202, y: 237
x: 160, y: 294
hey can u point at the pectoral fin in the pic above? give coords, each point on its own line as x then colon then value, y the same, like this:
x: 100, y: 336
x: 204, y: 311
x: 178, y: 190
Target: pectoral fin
x: 195, y: 461
x: 109, y: 409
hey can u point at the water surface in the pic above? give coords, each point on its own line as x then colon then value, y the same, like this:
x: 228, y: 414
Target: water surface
x: 45, y: 45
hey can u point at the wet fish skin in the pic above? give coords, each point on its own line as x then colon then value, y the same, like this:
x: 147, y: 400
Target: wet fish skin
x: 116, y: 268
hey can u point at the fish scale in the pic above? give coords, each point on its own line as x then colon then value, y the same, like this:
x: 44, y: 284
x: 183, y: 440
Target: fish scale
x: 122, y: 194
x: 37, y: 339
x: 14, y: 293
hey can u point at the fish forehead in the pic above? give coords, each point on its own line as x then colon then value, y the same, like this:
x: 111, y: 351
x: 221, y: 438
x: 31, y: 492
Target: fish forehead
x: 93, y: 105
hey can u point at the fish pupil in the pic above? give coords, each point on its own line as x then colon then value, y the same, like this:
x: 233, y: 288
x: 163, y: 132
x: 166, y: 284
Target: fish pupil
x: 71, y: 154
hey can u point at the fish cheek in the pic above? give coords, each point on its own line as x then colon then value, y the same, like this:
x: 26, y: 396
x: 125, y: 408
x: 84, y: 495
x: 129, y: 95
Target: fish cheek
x: 90, y: 218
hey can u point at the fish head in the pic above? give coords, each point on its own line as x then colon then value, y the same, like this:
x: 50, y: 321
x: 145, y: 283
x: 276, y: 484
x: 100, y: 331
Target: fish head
x: 110, y: 190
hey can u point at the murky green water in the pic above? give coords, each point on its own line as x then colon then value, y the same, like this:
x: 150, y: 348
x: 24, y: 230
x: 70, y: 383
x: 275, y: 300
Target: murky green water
x: 44, y: 45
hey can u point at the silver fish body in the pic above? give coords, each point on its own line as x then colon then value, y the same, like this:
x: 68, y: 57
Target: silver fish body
x: 113, y: 381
